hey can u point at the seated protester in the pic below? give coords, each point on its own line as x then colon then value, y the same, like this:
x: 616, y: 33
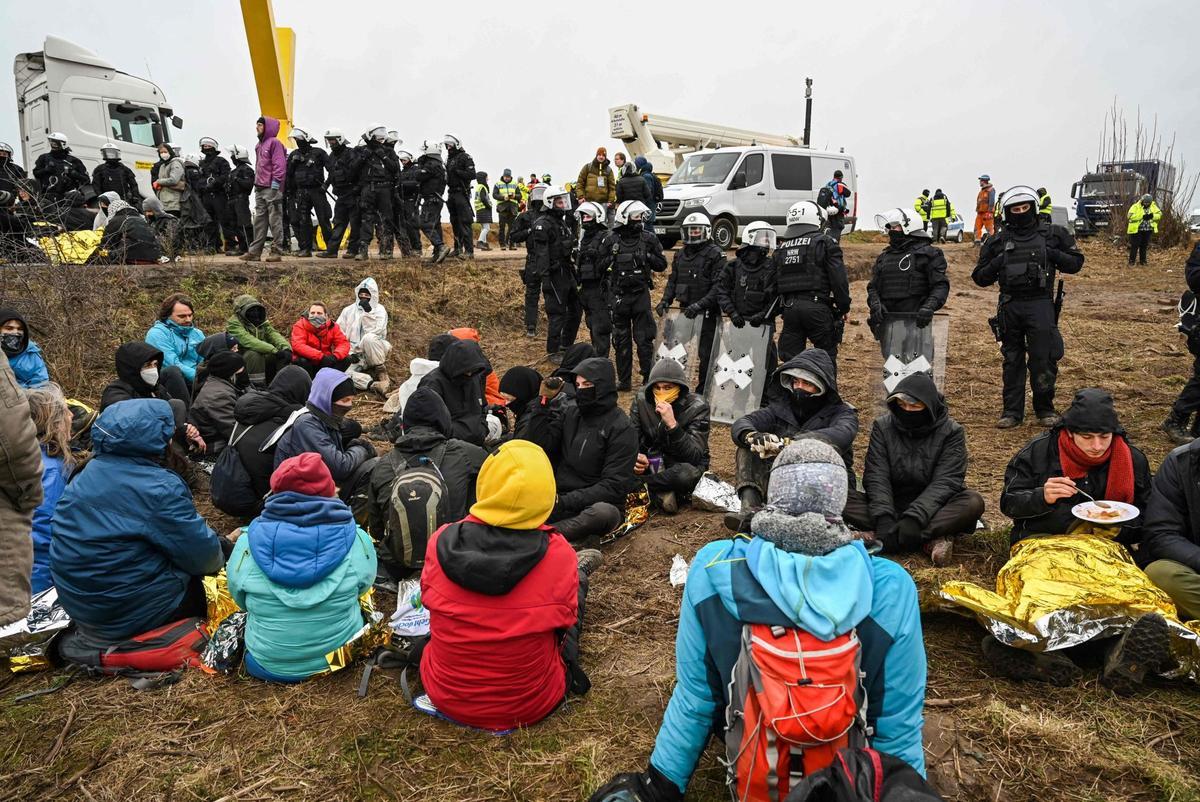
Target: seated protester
x: 566, y: 369
x: 800, y: 569
x: 129, y: 549
x: 491, y: 382
x: 23, y: 353
x: 212, y: 411
x: 318, y: 343
x: 459, y: 380
x: 164, y: 225
x: 325, y: 431
x: 298, y: 572
x: 264, y: 349
x: 140, y: 375
x: 20, y: 495
x: 519, y: 386
x: 176, y: 335
x: 74, y: 214
x: 593, y: 447
x: 128, y: 239
x: 365, y: 323
x: 422, y: 436
x: 52, y: 419
x: 505, y: 594
x: 672, y: 425
x: 209, y: 347
x: 418, y: 369
x: 810, y: 405
x: 1170, y: 548
x: 102, y: 202
x: 914, y: 496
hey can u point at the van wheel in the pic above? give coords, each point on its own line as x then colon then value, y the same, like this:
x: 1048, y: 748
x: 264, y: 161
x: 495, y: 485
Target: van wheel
x: 724, y: 231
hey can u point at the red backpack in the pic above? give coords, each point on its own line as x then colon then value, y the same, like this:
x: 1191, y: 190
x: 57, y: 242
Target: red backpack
x: 166, y: 648
x: 794, y: 701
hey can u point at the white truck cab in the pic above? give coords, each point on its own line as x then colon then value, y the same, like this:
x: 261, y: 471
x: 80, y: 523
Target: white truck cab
x: 738, y: 185
x: 68, y: 88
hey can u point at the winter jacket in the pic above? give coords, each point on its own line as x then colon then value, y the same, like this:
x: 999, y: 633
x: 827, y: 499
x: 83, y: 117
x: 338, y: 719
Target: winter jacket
x: 459, y: 380
x: 54, y: 479
x: 829, y: 416
x: 593, y: 451
x: 27, y: 363
x: 263, y: 412
x: 320, y: 431
x: 212, y: 412
x: 1171, y: 529
x: 270, y: 157
x: 491, y: 382
x: 20, y: 494
x: 483, y: 203
x: 178, y: 345
x: 128, y: 238
x: 733, y: 582
x: 58, y: 172
x: 914, y: 469
x: 172, y: 181
x: 261, y: 338
x: 113, y: 176
x: 694, y: 273
x: 311, y: 343
x: 688, y: 441
x: 631, y: 186
x: 12, y: 175
x: 418, y: 369
x: 747, y: 286
x: 214, y: 173
x: 908, y: 278
x: 654, y: 187
x: 460, y: 170
x: 127, y: 538
x: 596, y: 183
x: 356, y: 322
x: 431, y: 176
x: 1138, y: 214
x: 298, y: 572
x: 129, y: 385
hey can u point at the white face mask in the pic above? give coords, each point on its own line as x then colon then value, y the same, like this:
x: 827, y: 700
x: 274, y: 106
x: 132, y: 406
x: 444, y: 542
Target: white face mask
x: 149, y: 376
x: 164, y: 156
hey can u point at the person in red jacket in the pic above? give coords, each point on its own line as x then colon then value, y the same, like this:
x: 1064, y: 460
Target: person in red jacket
x: 505, y: 595
x: 317, y: 342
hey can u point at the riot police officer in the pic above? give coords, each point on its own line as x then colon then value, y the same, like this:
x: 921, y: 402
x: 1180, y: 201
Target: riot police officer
x: 460, y: 172
x: 111, y: 175
x: 57, y: 171
x: 746, y: 289
x: 811, y: 280
x: 409, y: 189
x: 1023, y: 258
x: 431, y: 174
x: 237, y: 201
x: 693, y: 284
x: 631, y: 252
x: 593, y: 283
x: 345, y: 166
x: 12, y: 175
x: 532, y: 280
x: 380, y: 171
x: 551, y: 242
x: 306, y: 187
x: 214, y: 174
x: 909, y: 277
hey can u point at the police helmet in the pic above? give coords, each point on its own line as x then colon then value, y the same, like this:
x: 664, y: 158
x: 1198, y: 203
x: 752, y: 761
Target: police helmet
x: 591, y: 210
x: 552, y: 195
x: 210, y: 142
x: 59, y: 138
x: 909, y: 223
x: 760, y: 234
x: 334, y: 136
x: 696, y: 228
x: 631, y: 212
x: 804, y: 213
x: 108, y: 150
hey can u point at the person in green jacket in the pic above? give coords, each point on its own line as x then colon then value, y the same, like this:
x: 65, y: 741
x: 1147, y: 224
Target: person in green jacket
x: 1144, y: 215
x: 264, y: 349
x: 298, y: 572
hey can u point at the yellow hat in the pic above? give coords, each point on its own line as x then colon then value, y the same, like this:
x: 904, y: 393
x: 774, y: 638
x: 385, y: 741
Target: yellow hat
x: 515, y: 489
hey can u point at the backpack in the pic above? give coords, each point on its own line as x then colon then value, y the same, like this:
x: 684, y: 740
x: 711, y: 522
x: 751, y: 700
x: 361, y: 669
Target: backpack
x: 231, y: 488
x: 864, y: 775
x: 794, y: 701
x: 825, y: 198
x: 416, y: 508
x: 166, y: 648
x: 1188, y: 316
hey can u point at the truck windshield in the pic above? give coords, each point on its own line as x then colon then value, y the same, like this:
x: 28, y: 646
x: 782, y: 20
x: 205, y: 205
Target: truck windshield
x: 136, y: 124
x: 1115, y: 187
x: 704, y: 168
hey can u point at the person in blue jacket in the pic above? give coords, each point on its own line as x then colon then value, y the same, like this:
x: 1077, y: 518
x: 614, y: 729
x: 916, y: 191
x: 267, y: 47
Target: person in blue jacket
x: 800, y: 567
x: 128, y: 549
x: 298, y: 572
x: 23, y: 353
x: 176, y: 336
x: 52, y: 420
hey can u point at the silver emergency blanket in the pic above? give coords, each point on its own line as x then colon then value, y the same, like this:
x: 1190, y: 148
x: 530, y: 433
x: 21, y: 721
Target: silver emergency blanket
x: 679, y: 339
x: 23, y: 643
x: 714, y: 495
x: 224, y: 650
x: 738, y: 371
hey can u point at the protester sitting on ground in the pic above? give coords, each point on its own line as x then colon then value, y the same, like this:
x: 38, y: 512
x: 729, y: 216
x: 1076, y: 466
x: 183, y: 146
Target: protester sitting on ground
x: 809, y: 405
x: 298, y: 571
x: 519, y: 386
x: 672, y: 424
x: 165, y: 226
x: 209, y: 347
x: 1170, y: 547
x: 593, y: 446
x: 24, y: 355
x: 212, y: 411
x: 801, y: 568
x: 496, y: 402
x: 566, y: 369
x: 129, y: 549
x: 103, y: 200
x: 20, y: 494
x: 418, y: 369
x: 75, y: 216
x: 505, y: 594
x: 176, y: 335
x: 459, y: 380
x: 128, y: 239
x: 52, y: 420
x: 914, y: 494
x: 265, y: 350
x: 140, y: 375
x: 365, y: 324
x: 422, y: 439
x: 317, y: 342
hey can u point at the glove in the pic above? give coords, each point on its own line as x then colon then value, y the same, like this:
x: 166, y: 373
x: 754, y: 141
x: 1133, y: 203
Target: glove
x: 692, y: 311
x: 284, y: 355
x: 661, y: 309
x: 365, y: 445
x: 908, y: 532
x: 365, y: 304
x: 551, y: 386
x: 755, y: 321
x: 765, y: 444
x: 156, y: 185
x: 924, y: 317
x: 648, y: 786
x: 885, y: 532
x: 328, y: 361
x: 737, y: 320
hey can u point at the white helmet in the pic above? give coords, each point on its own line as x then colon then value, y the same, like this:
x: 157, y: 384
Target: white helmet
x: 208, y: 140
x: 431, y: 147
x: 107, y: 151
x: 1019, y: 194
x: 392, y: 138
x: 336, y: 135
x: 537, y: 193
x: 239, y: 154
x: 191, y: 159
x: 804, y: 213
x: 909, y: 222
x: 760, y: 234
x: 589, y: 209
x: 404, y: 155
x: 630, y: 212
x: 300, y: 135
x: 57, y: 136
x: 376, y: 132
x: 451, y: 141
x: 6, y: 148
x: 696, y: 220
x: 553, y: 194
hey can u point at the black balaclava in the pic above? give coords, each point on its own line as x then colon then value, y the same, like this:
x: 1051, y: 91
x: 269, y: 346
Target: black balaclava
x: 1026, y: 221
x: 256, y: 315
x: 602, y: 395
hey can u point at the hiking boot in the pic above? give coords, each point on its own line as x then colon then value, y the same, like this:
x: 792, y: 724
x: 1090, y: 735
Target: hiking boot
x: 249, y: 257
x: 326, y: 254
x: 555, y: 358
x: 1144, y: 648
x: 1049, y: 419
x: 305, y: 254
x: 1008, y: 422
x: 381, y: 386
x: 752, y: 502
x: 360, y: 257
x: 589, y: 560
x: 349, y: 255
x: 1018, y: 664
x: 385, y: 256
x: 1174, y: 428
x: 483, y: 246
x: 440, y: 253
x: 668, y: 502
x: 940, y: 551
x: 274, y: 257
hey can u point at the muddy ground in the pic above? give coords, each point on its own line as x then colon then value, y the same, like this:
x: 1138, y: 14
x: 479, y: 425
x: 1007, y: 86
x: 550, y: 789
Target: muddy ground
x: 234, y: 738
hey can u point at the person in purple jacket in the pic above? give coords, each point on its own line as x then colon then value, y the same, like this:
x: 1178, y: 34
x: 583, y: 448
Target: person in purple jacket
x: 270, y: 170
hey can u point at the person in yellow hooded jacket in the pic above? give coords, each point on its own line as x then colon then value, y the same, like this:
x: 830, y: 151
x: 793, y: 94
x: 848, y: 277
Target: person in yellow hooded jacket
x: 1144, y: 215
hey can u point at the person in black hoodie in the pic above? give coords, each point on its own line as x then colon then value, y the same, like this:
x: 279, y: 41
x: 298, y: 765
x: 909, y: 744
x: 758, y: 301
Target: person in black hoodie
x: 140, y: 374
x: 213, y: 409
x: 520, y: 385
x: 1170, y: 549
x: 593, y: 447
x: 809, y: 406
x: 672, y: 424
x: 459, y: 380
x: 632, y: 187
x: 128, y: 239
x: 75, y: 215
x: 914, y: 494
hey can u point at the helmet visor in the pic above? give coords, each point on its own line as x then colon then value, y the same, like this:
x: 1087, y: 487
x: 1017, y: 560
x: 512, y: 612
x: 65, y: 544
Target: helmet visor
x: 694, y: 234
x: 762, y: 238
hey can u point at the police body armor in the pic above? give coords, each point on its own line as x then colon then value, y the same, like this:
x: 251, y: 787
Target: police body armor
x: 214, y: 182
x: 630, y: 270
x: 343, y: 170
x: 558, y: 257
x: 900, y: 276
x: 310, y: 171
x: 589, y: 254
x: 1027, y: 272
x: 694, y: 274
x: 799, y: 272
x: 241, y: 175
x: 752, y: 288
x: 375, y: 167
x: 410, y: 183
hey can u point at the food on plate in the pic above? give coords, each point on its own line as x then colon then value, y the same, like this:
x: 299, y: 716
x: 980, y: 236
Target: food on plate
x: 1102, y: 514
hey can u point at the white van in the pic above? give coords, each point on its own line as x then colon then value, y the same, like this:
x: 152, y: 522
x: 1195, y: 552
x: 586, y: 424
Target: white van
x: 736, y: 186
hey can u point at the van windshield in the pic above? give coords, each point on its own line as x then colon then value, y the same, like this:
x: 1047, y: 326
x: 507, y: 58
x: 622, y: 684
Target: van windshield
x: 704, y: 168
x: 139, y: 125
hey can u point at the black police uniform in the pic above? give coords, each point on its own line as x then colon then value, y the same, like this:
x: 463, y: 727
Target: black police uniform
x: 306, y: 186
x: 594, y: 288
x: 1188, y: 401
x: 237, y: 200
x: 631, y: 252
x: 909, y: 279
x: 814, y: 293
x: 345, y: 167
x: 747, y: 292
x: 58, y: 172
x: 693, y: 285
x: 521, y: 229
x: 460, y: 172
x: 431, y: 175
x: 380, y: 171
x: 111, y: 175
x: 1023, y: 258
x: 550, y: 246
x: 214, y: 175
x: 12, y: 175
x: 409, y: 189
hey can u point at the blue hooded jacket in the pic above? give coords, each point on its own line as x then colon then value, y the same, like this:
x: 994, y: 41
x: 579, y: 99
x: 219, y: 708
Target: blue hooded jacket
x: 54, y: 480
x: 30, y: 367
x: 126, y: 535
x: 749, y: 580
x: 298, y: 573
x: 178, y: 344
x: 320, y: 431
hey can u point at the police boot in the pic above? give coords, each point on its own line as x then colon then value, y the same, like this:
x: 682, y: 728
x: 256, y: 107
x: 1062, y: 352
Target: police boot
x: 440, y: 253
x: 305, y: 254
x: 361, y: 256
x: 752, y: 502
x: 385, y: 255
x: 1176, y: 429
x: 326, y: 254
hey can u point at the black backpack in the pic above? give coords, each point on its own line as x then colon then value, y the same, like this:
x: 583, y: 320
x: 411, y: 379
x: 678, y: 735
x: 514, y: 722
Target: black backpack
x: 231, y: 488
x: 864, y: 775
x: 417, y: 507
x: 825, y: 198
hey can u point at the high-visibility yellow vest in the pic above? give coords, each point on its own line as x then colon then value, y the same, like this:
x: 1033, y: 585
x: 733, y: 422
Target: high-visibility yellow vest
x: 1137, y: 212
x: 919, y: 204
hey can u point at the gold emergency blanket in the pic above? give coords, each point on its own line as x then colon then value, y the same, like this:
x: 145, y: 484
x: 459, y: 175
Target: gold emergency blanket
x: 637, y: 512
x: 71, y: 247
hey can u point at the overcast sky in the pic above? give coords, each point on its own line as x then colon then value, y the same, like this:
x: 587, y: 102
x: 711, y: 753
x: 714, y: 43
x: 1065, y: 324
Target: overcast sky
x: 922, y: 94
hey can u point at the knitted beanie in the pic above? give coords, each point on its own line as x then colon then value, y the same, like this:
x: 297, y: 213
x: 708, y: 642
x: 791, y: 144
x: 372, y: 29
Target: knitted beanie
x: 805, y: 497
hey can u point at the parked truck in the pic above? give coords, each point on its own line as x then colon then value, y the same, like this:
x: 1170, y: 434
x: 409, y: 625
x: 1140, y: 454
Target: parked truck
x: 1102, y: 197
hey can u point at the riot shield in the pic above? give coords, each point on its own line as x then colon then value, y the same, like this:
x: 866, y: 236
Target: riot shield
x: 738, y: 373
x: 908, y: 349
x: 679, y: 339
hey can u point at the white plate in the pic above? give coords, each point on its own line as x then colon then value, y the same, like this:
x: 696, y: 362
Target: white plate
x: 660, y: 230
x: 1128, y: 512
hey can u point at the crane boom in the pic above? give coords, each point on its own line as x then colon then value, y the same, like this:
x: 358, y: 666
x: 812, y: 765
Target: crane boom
x: 273, y: 56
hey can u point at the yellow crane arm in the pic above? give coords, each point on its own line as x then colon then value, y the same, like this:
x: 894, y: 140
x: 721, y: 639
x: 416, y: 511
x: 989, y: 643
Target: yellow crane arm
x: 273, y: 56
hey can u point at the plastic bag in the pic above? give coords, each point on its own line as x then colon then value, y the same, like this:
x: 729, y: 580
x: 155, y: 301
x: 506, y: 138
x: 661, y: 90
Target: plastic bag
x: 679, y: 570
x: 411, y: 619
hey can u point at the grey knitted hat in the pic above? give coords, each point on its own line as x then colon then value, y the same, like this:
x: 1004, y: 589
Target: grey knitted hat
x: 805, y: 498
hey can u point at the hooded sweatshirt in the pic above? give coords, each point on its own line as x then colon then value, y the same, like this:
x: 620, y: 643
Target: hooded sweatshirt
x: 129, y: 360
x: 270, y: 157
x: 356, y: 323
x: 418, y: 369
x: 500, y: 586
x: 27, y: 363
x: 260, y: 337
x: 179, y: 345
x: 320, y: 431
x: 491, y: 382
x: 688, y: 441
x: 264, y: 411
x: 459, y: 380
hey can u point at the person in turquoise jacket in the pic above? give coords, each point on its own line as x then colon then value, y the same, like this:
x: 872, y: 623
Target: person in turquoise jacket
x: 23, y: 353
x: 175, y: 335
x: 298, y: 573
x: 802, y: 568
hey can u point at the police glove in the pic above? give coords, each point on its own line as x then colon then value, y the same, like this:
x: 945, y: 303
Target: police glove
x: 764, y: 444
x: 756, y: 321
x: 924, y: 317
x: 648, y: 786
x: 737, y: 320
x: 692, y: 311
x: 551, y: 387
x: 661, y: 309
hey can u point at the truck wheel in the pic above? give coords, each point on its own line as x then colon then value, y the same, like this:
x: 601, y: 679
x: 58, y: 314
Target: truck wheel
x: 724, y: 232
x: 668, y: 241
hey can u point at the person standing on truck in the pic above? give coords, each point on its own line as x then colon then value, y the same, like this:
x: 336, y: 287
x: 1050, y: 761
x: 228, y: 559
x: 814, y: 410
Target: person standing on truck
x: 835, y: 202
x: 985, y: 201
x: 941, y: 212
x: 507, y: 195
x: 810, y: 277
x: 595, y: 182
x: 1044, y: 203
x: 214, y: 176
x: 12, y: 175
x: 1023, y: 259
x: 270, y: 178
x: 632, y: 253
x: 1144, y: 215
x: 57, y: 171
x: 111, y: 175
x: 921, y: 205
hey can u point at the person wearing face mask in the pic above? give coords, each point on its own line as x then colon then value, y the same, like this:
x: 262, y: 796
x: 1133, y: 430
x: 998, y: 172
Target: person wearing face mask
x: 532, y: 280
x: 808, y: 406
x: 693, y: 284
x: 1143, y: 215
x: 212, y: 411
x: 111, y: 175
x: 58, y: 171
x: 519, y: 386
x: 432, y: 179
x: 171, y: 180
x: 459, y: 379
x: 914, y: 496
x: 164, y: 225
x: 909, y: 278
x: 814, y: 292
x: 264, y: 349
x: 460, y: 172
x: 672, y: 424
x: 140, y: 375
x: 593, y: 446
x: 306, y: 166
x: 102, y: 203
x: 408, y: 189
x: 318, y: 342
x: 747, y: 289
x: 345, y: 167
x: 239, y: 230
x: 551, y: 242
x: 1023, y: 259
x: 12, y: 175
x: 365, y: 324
x: 214, y: 179
x: 128, y: 239
x: 74, y: 215
x: 24, y: 355
x: 594, y: 284
x: 174, y: 333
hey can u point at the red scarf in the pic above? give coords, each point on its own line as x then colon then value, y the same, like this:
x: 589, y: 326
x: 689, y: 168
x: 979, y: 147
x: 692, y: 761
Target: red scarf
x: 1075, y: 465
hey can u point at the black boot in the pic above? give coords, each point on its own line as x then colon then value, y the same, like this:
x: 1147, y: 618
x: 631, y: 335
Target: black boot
x: 1176, y: 429
x: 1145, y: 648
x: 752, y: 502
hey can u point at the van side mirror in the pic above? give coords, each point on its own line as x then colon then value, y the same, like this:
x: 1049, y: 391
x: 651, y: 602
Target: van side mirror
x: 177, y: 122
x: 739, y: 180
